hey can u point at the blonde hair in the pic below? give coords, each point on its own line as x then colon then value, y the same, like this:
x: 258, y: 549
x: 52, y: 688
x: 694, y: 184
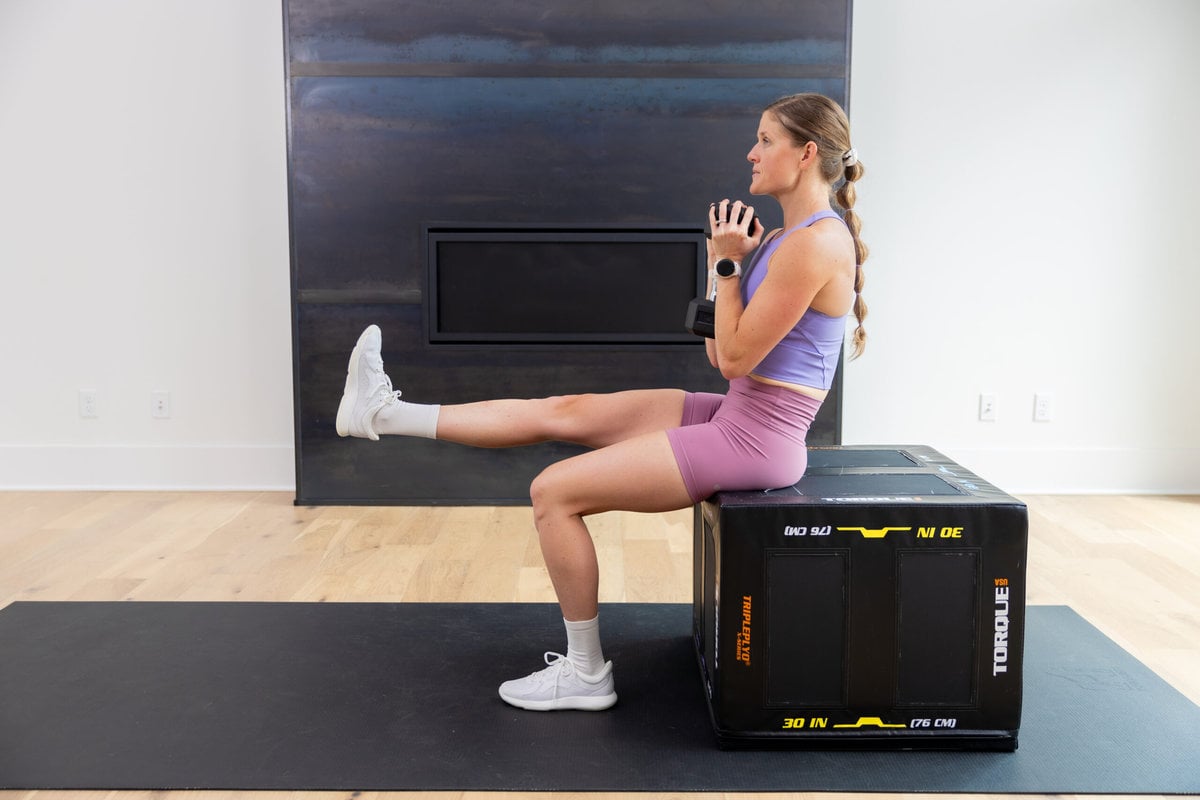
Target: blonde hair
x: 811, y: 117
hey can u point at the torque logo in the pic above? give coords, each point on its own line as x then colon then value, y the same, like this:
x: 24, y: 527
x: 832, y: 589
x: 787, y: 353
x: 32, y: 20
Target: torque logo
x: 743, y: 637
x: 1000, y: 640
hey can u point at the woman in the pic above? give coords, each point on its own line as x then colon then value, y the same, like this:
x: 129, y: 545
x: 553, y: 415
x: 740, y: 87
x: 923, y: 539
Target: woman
x: 780, y: 323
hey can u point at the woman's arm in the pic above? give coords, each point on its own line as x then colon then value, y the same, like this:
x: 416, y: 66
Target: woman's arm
x: 710, y: 345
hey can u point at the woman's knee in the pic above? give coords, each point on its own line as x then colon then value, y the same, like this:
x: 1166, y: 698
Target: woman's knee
x: 543, y: 492
x: 566, y: 417
x: 552, y: 493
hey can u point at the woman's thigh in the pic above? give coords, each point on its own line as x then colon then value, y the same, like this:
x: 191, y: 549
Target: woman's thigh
x: 600, y: 420
x: 636, y: 474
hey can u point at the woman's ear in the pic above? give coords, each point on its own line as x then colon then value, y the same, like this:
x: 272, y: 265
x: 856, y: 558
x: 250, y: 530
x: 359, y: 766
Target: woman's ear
x: 809, y: 153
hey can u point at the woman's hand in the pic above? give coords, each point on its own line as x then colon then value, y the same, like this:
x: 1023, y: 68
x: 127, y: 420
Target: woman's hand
x: 736, y: 238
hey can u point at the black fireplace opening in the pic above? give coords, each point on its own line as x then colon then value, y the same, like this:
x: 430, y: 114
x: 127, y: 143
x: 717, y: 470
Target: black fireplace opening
x: 506, y: 285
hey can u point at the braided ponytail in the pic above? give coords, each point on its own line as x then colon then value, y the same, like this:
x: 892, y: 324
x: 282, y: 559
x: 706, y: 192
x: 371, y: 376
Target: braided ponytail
x: 845, y: 199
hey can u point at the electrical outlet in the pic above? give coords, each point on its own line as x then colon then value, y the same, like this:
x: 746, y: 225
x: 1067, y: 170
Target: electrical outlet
x: 1043, y: 407
x: 160, y: 405
x: 89, y: 404
x: 987, y: 407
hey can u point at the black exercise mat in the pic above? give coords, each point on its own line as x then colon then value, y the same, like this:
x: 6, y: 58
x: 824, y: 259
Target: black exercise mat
x: 384, y: 696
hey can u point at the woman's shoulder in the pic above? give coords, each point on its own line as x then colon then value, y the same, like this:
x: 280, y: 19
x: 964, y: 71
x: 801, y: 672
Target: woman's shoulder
x: 771, y: 235
x: 824, y: 244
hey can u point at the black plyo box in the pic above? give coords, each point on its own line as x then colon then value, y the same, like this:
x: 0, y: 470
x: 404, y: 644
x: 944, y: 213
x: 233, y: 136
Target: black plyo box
x: 878, y: 603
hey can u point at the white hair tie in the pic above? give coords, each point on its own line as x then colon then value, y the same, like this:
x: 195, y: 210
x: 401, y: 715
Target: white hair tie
x: 850, y: 157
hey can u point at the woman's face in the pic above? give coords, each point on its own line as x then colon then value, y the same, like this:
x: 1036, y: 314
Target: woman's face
x: 775, y: 159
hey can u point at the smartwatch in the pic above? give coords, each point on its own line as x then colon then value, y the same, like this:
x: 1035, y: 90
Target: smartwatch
x: 728, y: 268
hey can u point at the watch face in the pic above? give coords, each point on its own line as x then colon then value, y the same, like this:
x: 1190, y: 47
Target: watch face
x: 725, y: 267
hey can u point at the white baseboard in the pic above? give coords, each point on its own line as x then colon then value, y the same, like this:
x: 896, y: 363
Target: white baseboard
x: 147, y: 468
x: 1096, y: 470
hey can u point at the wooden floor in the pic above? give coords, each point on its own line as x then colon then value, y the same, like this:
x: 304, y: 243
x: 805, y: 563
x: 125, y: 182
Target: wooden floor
x: 1130, y: 565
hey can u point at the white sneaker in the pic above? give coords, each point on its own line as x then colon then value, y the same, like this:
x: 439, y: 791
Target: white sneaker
x: 561, y: 686
x: 368, y: 388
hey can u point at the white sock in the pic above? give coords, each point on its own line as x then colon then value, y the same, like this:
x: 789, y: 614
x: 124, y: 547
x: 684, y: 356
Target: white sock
x: 407, y: 419
x: 583, y: 645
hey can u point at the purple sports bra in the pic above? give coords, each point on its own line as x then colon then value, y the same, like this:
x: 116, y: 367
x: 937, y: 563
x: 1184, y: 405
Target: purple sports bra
x: 808, y: 355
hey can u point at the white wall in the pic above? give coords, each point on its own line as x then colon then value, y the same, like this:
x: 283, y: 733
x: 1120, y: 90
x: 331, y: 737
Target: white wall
x: 1032, y: 182
x: 1033, y: 188
x: 143, y: 201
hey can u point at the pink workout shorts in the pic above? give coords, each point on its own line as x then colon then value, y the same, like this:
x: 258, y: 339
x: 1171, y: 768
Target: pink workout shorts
x: 751, y: 438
